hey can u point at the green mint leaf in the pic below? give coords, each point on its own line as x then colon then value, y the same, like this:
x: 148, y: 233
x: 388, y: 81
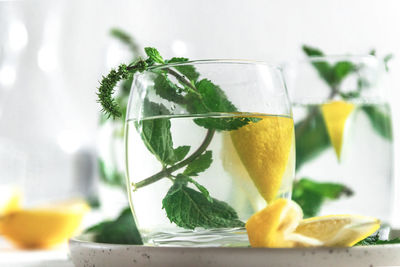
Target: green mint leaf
x: 311, y: 195
x: 126, y: 39
x: 189, y: 71
x: 178, y: 155
x: 189, y: 209
x: 370, y: 240
x: 154, y: 55
x: 122, y: 230
x: 167, y: 89
x: 380, y: 120
x: 375, y: 240
x: 200, y: 164
x: 156, y: 135
x: 201, y: 188
x: 332, y: 75
x: 386, y: 60
x: 110, y: 175
x: 341, y: 70
x: 311, y: 137
x: 213, y: 99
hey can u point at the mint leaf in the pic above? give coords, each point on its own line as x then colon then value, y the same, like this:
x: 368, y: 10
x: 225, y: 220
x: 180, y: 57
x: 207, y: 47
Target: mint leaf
x: 381, y: 121
x: 110, y: 175
x: 189, y: 209
x: 189, y: 71
x: 200, y: 164
x: 386, y: 60
x: 184, y: 179
x: 341, y: 70
x: 156, y: 135
x: 154, y: 55
x: 179, y: 154
x: 374, y: 240
x: 213, y: 99
x: 122, y: 230
x: 311, y: 137
x: 167, y: 89
x: 311, y: 195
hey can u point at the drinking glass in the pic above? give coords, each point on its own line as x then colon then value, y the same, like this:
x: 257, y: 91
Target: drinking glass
x: 343, y: 131
x: 208, y: 144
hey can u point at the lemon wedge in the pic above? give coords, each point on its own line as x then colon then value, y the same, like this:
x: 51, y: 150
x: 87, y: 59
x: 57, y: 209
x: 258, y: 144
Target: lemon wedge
x: 10, y: 200
x: 43, y: 226
x: 335, y: 115
x: 264, y: 148
x: 280, y: 225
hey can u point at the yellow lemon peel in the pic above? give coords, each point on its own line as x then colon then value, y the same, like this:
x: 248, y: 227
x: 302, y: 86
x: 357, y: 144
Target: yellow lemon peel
x: 264, y: 148
x: 335, y: 115
x: 45, y: 226
x: 280, y: 225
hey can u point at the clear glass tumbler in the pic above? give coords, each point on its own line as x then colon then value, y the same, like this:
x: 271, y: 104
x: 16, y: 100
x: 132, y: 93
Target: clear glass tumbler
x: 343, y: 131
x: 208, y: 144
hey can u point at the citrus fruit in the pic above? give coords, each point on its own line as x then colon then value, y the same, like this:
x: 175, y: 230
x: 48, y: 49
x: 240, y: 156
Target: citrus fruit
x: 264, y: 147
x: 338, y: 230
x: 274, y: 226
x: 43, y: 226
x: 280, y: 224
x: 10, y: 200
x: 335, y: 115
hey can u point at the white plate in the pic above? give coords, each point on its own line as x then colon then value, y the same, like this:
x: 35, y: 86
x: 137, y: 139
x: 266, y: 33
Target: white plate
x: 85, y: 254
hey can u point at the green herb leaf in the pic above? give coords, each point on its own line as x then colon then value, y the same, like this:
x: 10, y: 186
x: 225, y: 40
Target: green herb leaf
x: 111, y: 176
x: 341, y: 70
x: 179, y: 154
x: 375, y: 240
x: 156, y: 135
x: 381, y: 121
x: 167, y: 89
x: 123, y: 230
x: 189, y: 209
x: 200, y: 164
x: 189, y: 71
x: 201, y: 188
x: 126, y: 39
x: 213, y: 99
x: 154, y: 55
x: 311, y: 137
x: 386, y: 60
x: 310, y: 195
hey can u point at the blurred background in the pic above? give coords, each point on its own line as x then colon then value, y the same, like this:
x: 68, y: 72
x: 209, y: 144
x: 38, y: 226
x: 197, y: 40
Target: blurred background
x: 53, y: 53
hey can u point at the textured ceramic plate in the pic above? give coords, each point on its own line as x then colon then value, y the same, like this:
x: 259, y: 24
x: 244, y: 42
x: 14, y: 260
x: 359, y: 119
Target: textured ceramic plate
x: 85, y: 254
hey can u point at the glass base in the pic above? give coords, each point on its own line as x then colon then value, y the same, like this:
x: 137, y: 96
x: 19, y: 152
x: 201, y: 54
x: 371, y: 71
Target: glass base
x: 226, y: 237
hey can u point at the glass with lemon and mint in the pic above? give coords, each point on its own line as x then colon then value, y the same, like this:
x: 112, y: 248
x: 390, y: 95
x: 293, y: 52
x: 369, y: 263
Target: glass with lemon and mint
x: 343, y: 134
x: 208, y: 144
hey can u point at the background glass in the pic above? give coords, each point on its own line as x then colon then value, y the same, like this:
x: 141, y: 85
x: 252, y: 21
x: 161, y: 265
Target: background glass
x: 365, y: 165
x: 232, y: 91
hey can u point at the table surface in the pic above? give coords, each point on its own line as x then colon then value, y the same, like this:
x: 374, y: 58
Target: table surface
x: 12, y: 257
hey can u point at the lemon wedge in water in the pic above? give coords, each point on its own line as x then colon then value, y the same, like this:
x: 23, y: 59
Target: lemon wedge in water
x: 280, y: 224
x: 335, y: 115
x: 43, y: 226
x: 264, y: 148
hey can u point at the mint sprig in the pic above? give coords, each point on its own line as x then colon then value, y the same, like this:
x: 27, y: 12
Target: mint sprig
x: 197, y: 97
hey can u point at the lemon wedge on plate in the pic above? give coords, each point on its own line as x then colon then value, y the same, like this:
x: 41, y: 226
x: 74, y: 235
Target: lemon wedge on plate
x: 10, y: 200
x: 43, y: 226
x: 280, y: 225
x: 335, y: 115
x: 264, y: 148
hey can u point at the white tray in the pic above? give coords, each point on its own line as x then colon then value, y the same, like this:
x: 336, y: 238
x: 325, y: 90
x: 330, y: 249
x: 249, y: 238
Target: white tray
x: 86, y: 253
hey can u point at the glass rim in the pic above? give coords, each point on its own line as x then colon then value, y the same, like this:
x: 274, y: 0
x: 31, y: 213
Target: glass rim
x: 217, y: 61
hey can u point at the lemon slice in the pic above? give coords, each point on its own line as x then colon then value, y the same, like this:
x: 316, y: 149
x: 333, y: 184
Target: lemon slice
x: 335, y: 115
x: 338, y: 230
x: 10, y: 200
x: 275, y: 226
x: 44, y: 226
x: 280, y: 224
x: 264, y: 148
